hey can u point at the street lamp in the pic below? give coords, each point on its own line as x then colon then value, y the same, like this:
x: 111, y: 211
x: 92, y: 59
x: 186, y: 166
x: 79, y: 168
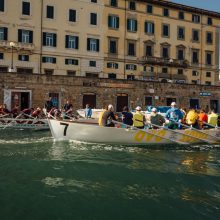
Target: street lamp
x: 12, y: 45
x: 171, y: 62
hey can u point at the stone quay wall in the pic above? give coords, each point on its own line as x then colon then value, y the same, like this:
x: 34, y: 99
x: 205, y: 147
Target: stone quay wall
x: 106, y: 90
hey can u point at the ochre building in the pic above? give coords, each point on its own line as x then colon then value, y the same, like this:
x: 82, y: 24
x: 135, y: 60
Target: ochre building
x: 145, y: 42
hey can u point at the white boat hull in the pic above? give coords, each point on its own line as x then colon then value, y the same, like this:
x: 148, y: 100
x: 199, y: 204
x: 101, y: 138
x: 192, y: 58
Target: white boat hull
x: 64, y: 130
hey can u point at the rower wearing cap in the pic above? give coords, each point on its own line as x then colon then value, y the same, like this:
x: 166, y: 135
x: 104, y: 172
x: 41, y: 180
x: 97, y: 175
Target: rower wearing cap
x: 174, y: 115
x: 156, y: 119
x: 139, y: 118
x: 107, y: 117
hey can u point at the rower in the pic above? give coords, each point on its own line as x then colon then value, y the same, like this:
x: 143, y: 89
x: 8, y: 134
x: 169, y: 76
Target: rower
x: 139, y: 118
x: 108, y: 116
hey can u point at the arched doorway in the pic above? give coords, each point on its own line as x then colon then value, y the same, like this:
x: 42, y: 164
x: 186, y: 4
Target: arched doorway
x: 89, y: 98
x: 122, y: 100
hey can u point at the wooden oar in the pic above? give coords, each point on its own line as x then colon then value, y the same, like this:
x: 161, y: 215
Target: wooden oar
x: 2, y: 116
x: 177, y: 132
x: 212, y: 126
x: 199, y: 131
x: 148, y: 132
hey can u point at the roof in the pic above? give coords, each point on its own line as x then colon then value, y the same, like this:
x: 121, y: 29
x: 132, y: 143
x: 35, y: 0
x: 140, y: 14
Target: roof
x: 181, y: 7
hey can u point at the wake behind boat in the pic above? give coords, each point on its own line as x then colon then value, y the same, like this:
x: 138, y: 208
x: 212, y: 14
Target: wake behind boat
x: 73, y: 130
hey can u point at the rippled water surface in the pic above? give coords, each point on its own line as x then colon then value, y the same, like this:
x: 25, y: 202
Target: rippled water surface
x: 42, y: 179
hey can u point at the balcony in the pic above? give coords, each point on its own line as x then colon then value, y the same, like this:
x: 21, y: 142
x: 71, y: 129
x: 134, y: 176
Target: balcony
x: 164, y: 75
x: 162, y: 62
x: 18, y: 46
x: 179, y: 77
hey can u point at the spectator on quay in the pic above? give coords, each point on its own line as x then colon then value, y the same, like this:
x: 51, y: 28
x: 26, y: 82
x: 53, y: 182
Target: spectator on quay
x: 88, y: 111
x: 48, y: 104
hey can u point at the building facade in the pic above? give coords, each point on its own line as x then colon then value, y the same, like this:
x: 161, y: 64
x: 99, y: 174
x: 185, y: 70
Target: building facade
x: 145, y: 41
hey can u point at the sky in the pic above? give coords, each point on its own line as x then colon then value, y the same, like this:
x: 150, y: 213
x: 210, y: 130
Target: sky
x: 213, y: 5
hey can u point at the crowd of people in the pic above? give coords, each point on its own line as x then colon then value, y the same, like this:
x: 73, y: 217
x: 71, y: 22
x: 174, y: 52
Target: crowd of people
x: 174, y: 118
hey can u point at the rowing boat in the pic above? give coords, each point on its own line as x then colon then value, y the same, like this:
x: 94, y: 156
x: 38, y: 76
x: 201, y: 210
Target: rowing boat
x: 21, y: 123
x: 73, y: 130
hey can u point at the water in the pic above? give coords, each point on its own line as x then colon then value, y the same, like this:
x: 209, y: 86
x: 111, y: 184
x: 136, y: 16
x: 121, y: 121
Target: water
x: 40, y: 179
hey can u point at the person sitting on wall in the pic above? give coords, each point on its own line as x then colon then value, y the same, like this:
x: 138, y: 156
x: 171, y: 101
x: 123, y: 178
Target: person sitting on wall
x: 88, y: 111
x: 156, y: 119
x: 108, y: 116
x: 173, y: 116
x: 139, y: 118
x: 127, y: 116
x: 5, y: 109
x: 48, y: 104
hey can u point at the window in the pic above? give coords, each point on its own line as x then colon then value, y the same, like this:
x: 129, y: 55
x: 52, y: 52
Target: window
x: 180, y: 54
x: 194, y: 82
x: 92, y: 63
x: 26, y: 8
x: 195, y: 57
x: 92, y: 75
x: 131, y: 67
x: 2, y: 5
x: 181, y: 33
x: 25, y: 70
x: 209, y: 38
x: 49, y: 59
x: 149, y: 27
x: 149, y: 9
x: 180, y: 71
x: 181, y: 15
x: 3, y: 33
x: 131, y: 49
x: 130, y: 77
x: 112, y: 65
x: 208, y: 58
x: 209, y: 21
x: 113, y: 46
x: 93, y: 18
x: 49, y: 39
x: 166, y: 12
x: 148, y: 101
x: 208, y: 74
x: 195, y: 73
x: 165, y: 30
x: 94, y: 1
x: 114, y: 3
x: 1, y: 56
x: 71, y: 73
x: 113, y: 21
x: 50, y: 12
x: 132, y: 5
x: 25, y: 36
x: 48, y: 72
x: 149, y: 50
x: 23, y: 57
x: 195, y: 18
x: 71, y: 62
x: 72, y: 42
x: 195, y: 35
x: 132, y: 25
x: 164, y: 70
x: 93, y: 44
x: 208, y: 83
x: 72, y: 15
x: 112, y: 76
x: 165, y: 52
